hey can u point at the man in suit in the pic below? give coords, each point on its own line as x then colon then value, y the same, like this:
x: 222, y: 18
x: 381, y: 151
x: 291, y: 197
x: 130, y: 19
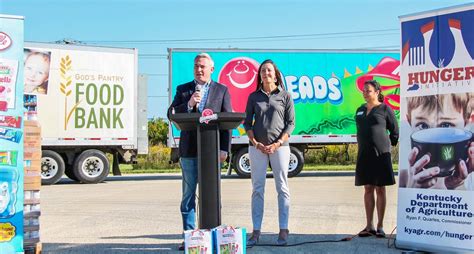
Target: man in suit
x: 212, y: 96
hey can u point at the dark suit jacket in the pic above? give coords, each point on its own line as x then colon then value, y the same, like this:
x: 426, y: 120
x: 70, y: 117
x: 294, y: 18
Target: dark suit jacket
x: 218, y: 100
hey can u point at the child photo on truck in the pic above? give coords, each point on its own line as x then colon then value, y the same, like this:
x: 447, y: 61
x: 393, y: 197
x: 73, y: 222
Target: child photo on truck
x: 37, y: 65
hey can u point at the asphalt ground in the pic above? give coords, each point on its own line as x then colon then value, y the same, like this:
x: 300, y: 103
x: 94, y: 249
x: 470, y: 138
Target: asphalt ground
x: 140, y: 214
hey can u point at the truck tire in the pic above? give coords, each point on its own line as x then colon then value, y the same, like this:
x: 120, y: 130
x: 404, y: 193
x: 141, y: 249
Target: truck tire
x: 241, y: 162
x: 52, y: 167
x: 296, y: 162
x: 91, y: 166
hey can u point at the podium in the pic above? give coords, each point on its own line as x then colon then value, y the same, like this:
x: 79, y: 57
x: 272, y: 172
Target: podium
x: 209, y: 175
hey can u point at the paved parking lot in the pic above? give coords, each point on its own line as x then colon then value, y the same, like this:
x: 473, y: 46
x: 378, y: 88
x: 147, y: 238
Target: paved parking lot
x: 140, y: 214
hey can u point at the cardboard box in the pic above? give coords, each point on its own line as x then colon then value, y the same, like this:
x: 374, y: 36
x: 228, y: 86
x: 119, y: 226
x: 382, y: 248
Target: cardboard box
x: 32, y: 141
x: 32, y: 186
x: 32, y: 183
x: 32, y: 131
x: 30, y: 123
x: 32, y: 153
x: 30, y: 175
x: 29, y: 171
x: 32, y: 135
x: 32, y: 163
x: 32, y: 166
x: 32, y: 179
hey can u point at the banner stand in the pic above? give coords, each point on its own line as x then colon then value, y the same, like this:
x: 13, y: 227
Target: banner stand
x: 436, y: 175
x: 11, y: 134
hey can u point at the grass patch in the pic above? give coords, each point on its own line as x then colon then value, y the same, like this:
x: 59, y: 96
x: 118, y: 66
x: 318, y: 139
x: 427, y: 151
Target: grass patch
x: 316, y: 167
x: 128, y: 169
x: 331, y: 158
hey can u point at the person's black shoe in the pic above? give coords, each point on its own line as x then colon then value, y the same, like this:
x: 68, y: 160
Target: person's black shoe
x: 380, y: 233
x: 283, y: 237
x: 253, y: 240
x: 181, y: 247
x: 367, y: 232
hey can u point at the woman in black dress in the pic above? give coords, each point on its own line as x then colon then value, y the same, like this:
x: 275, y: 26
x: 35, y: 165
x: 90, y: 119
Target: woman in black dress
x: 374, y: 164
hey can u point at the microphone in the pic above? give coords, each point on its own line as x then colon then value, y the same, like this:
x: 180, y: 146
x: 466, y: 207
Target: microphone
x: 198, y: 89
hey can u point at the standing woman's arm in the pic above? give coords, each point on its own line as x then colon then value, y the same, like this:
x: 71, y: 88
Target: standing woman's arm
x: 289, y: 119
x: 248, y: 122
x: 392, y: 126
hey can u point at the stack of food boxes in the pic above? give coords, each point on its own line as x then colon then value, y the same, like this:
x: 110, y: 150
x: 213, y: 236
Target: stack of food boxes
x: 32, y: 185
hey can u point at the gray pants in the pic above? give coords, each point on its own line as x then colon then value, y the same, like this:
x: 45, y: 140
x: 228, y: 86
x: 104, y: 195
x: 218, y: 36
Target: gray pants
x: 279, y: 161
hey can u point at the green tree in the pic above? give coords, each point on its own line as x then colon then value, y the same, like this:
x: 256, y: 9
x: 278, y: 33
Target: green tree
x: 157, y: 131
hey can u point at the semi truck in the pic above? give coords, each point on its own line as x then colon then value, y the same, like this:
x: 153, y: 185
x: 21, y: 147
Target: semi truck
x: 326, y: 87
x: 86, y: 102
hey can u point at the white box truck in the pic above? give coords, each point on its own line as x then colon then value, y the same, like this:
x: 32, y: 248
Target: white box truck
x: 326, y: 87
x: 86, y: 100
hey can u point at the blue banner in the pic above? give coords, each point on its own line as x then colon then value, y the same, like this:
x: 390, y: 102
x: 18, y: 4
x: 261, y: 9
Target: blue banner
x: 436, y: 169
x: 11, y: 134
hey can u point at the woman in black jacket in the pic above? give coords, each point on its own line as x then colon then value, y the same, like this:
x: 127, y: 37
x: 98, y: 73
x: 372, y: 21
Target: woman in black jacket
x: 374, y: 164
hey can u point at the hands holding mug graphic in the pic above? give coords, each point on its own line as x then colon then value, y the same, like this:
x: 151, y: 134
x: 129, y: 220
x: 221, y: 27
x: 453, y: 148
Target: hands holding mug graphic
x: 440, y: 158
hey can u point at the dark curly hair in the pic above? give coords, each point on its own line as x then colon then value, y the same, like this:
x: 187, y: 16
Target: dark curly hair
x: 376, y: 86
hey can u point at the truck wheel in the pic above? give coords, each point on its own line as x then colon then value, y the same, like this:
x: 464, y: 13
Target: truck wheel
x: 296, y: 162
x: 52, y: 167
x: 241, y: 162
x: 91, y: 166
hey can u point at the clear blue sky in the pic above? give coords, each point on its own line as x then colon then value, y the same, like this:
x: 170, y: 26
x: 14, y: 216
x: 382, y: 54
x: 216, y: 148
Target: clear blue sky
x: 152, y: 26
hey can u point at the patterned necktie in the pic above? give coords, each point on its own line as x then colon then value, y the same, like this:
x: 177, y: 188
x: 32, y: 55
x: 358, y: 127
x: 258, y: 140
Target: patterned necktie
x: 204, y: 92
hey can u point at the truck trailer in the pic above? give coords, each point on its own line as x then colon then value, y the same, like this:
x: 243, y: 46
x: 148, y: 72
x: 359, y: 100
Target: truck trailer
x: 326, y: 87
x: 86, y: 102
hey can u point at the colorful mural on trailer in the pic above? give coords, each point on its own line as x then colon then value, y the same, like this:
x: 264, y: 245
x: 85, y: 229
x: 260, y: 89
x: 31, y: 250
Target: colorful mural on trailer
x: 326, y: 86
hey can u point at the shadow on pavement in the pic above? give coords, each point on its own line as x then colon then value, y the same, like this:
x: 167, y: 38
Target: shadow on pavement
x: 111, y: 248
x: 319, y: 244
x: 304, y: 243
x: 137, y: 177
x: 162, y: 237
x: 177, y: 176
